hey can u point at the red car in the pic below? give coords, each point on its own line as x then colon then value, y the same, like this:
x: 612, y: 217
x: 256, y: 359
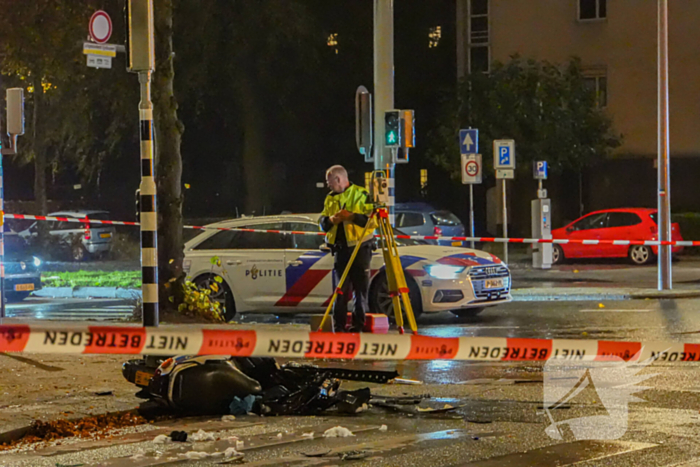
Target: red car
x: 612, y: 224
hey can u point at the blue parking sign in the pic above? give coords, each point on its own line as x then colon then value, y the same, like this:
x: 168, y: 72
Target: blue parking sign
x: 469, y: 141
x: 504, y: 154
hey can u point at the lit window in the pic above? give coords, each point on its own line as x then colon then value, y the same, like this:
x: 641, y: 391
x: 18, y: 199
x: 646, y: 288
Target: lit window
x: 592, y: 9
x: 599, y: 86
x: 423, y: 178
x: 434, y: 36
x: 333, y: 41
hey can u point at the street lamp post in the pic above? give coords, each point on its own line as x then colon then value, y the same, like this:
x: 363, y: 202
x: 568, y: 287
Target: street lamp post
x: 664, y: 182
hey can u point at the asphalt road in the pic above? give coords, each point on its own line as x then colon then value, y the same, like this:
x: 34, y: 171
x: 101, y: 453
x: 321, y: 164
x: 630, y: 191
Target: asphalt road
x: 70, y: 309
x: 500, y: 419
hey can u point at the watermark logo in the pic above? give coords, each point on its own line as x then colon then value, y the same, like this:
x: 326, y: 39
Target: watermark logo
x: 605, y: 388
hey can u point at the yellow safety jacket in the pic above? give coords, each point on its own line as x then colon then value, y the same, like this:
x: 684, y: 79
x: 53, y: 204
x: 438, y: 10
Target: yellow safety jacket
x: 356, y: 200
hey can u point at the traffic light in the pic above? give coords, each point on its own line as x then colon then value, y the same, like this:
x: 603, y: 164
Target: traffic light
x: 392, y: 129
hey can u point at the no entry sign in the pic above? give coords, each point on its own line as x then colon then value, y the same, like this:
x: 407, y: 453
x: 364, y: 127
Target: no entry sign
x: 100, y: 27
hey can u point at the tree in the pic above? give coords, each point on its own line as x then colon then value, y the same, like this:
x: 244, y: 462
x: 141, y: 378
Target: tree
x: 547, y: 109
x: 168, y: 129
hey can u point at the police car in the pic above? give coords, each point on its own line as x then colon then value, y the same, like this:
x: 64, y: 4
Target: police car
x: 290, y: 272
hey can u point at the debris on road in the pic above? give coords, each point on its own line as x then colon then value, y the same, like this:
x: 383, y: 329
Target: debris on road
x: 202, y: 435
x: 93, y: 426
x: 162, y: 439
x: 179, y: 436
x: 228, y: 418
x: 406, y: 381
x: 307, y: 435
x: 337, y: 432
x: 383, y: 428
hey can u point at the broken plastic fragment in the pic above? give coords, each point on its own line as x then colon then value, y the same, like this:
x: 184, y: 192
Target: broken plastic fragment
x: 279, y: 435
x: 161, y: 439
x: 406, y: 381
x: 239, y: 444
x: 137, y: 457
x: 202, y: 435
x: 383, y: 428
x: 230, y: 453
x: 337, y: 432
x: 307, y: 435
x: 228, y: 418
x: 196, y: 455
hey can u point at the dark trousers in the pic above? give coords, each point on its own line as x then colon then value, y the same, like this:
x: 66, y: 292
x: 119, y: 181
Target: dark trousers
x: 357, y: 280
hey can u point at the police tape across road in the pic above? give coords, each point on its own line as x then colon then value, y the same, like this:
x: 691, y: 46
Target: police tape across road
x: 299, y: 344
x: 558, y: 241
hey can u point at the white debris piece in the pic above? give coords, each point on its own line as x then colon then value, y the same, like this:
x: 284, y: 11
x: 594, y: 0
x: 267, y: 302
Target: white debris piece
x: 196, y: 455
x: 162, y: 439
x: 228, y: 418
x: 383, y: 428
x: 337, y: 432
x: 362, y: 409
x: 279, y: 435
x: 307, y: 435
x: 137, y: 457
x: 202, y: 435
x: 239, y: 444
x: 230, y: 453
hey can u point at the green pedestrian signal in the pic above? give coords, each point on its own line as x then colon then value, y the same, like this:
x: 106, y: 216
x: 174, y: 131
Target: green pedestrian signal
x: 392, y: 128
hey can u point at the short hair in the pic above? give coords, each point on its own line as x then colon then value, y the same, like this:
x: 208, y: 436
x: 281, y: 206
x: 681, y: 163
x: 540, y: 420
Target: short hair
x: 337, y: 170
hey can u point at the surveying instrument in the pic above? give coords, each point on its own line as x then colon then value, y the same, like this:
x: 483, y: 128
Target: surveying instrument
x: 396, y: 281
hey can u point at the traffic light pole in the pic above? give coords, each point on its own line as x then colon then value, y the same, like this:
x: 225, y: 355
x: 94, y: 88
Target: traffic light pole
x: 384, y: 90
x: 664, y: 182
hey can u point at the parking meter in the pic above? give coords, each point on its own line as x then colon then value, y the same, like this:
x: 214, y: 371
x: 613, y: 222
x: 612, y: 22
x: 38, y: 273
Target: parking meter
x: 541, y: 215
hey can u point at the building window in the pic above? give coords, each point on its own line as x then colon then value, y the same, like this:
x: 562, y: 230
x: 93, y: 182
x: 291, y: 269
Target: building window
x: 479, y: 59
x: 592, y: 9
x: 333, y: 42
x: 434, y: 36
x: 479, y: 36
x: 599, y: 86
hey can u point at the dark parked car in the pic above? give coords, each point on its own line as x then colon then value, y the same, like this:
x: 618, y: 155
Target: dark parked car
x: 423, y: 219
x: 22, y: 270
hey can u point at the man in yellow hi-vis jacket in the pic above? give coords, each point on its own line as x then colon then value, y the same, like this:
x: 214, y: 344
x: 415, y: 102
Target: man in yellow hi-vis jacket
x: 346, y: 212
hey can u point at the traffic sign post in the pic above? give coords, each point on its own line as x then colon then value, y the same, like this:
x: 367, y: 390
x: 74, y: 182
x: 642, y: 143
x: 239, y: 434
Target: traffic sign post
x: 504, y: 164
x: 471, y: 174
x: 469, y: 141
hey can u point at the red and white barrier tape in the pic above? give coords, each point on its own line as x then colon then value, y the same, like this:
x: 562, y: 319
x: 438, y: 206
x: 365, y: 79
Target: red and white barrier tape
x: 558, y: 241
x: 296, y: 344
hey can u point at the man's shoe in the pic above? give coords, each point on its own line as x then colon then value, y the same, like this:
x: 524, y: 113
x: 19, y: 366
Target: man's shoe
x: 355, y: 330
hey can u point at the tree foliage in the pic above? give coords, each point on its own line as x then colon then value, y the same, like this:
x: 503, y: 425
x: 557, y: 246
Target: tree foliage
x: 547, y: 109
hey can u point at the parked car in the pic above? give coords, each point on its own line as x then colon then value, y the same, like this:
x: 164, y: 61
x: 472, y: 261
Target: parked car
x: 283, y: 273
x: 22, y: 270
x: 612, y: 224
x: 79, y: 241
x: 423, y: 219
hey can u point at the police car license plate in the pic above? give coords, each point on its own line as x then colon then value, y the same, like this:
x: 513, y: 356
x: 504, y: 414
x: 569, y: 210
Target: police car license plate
x: 24, y: 287
x: 493, y: 283
x: 106, y: 235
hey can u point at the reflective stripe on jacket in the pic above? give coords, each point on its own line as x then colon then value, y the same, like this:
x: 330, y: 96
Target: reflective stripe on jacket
x: 354, y: 199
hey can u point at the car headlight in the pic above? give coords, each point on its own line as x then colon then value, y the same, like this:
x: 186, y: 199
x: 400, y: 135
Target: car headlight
x: 444, y: 271
x: 37, y: 261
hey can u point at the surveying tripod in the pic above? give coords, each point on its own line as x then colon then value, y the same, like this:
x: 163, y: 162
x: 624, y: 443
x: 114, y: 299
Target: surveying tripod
x: 396, y: 281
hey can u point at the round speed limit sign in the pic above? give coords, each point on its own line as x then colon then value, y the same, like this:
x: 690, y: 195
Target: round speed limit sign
x: 472, y: 168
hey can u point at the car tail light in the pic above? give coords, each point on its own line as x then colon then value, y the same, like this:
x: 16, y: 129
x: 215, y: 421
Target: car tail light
x: 88, y: 235
x: 437, y: 231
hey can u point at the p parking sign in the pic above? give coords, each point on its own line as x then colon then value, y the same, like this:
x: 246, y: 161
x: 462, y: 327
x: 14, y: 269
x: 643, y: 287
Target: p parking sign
x: 504, y: 154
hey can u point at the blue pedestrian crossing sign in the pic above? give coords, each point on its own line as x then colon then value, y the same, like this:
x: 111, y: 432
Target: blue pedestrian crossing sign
x: 504, y: 154
x: 469, y: 141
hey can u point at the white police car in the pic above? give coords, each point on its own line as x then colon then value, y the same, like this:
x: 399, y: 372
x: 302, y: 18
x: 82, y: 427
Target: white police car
x: 290, y: 272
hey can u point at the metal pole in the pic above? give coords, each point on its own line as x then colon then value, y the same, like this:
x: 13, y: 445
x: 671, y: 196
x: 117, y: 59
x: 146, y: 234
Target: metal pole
x: 2, y: 242
x: 149, y: 211
x: 471, y: 213
x: 384, y: 89
x: 664, y: 182
x: 505, y: 221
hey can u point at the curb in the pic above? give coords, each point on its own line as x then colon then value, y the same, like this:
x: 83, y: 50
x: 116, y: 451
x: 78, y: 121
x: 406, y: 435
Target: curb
x: 88, y: 292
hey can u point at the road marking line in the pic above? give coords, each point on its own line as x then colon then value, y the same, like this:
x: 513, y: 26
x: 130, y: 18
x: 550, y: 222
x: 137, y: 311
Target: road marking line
x: 608, y: 310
